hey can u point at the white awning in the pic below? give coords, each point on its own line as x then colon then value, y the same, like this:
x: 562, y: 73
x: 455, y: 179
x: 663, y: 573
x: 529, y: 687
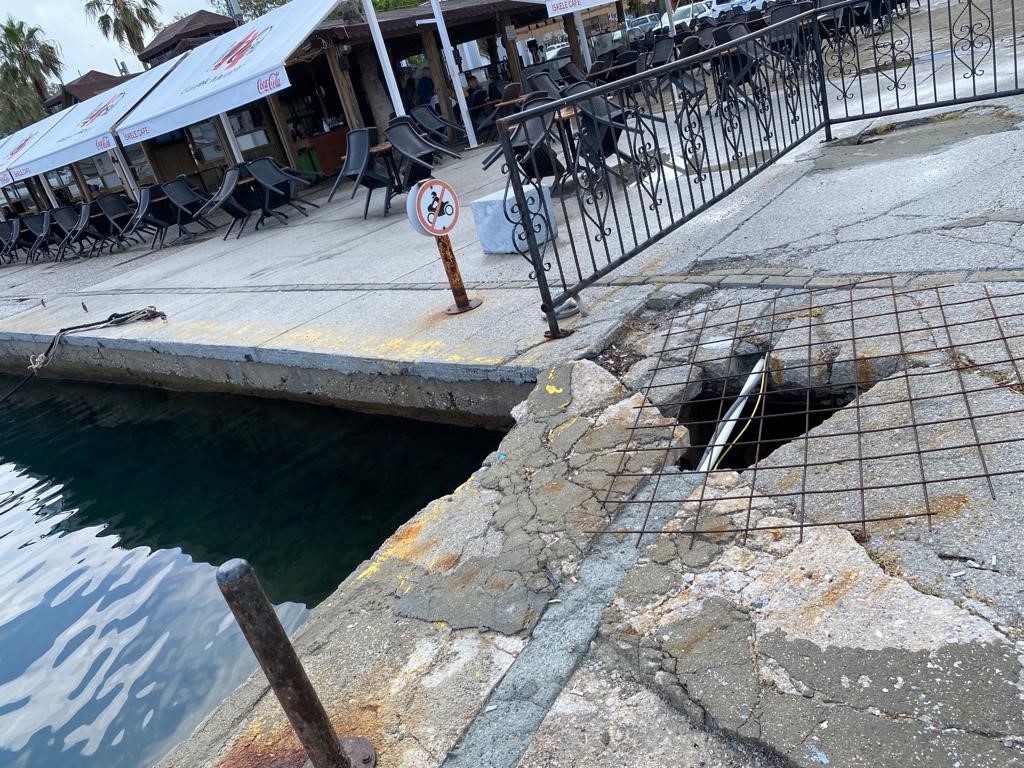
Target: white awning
x: 19, y: 143
x: 237, y: 68
x: 89, y: 125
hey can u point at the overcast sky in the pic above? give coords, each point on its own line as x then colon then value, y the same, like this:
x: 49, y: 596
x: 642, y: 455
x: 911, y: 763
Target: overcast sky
x: 82, y: 45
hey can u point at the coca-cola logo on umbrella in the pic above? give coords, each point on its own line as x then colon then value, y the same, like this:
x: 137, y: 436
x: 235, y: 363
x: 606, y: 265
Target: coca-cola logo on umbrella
x: 270, y: 83
x: 101, y: 110
x: 241, y: 49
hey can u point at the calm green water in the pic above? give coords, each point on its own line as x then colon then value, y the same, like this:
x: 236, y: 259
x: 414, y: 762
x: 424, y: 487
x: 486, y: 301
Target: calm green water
x: 116, y: 504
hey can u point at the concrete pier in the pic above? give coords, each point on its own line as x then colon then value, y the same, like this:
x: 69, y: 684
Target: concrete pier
x: 509, y: 624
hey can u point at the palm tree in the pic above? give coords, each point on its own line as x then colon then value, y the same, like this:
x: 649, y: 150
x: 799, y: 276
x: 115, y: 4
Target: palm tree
x: 26, y: 57
x: 19, y: 104
x: 126, y: 21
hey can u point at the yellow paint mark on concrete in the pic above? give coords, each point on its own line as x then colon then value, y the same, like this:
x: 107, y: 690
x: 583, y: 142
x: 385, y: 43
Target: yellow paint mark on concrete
x: 553, y: 390
x: 555, y: 432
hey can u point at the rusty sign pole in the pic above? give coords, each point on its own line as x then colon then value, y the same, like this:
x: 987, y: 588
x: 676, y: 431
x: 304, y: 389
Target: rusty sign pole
x: 451, y: 268
x: 269, y: 642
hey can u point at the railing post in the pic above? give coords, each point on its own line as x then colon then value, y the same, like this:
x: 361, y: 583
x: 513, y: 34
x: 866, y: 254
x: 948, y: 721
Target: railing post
x: 269, y: 642
x: 536, y: 258
x: 822, y: 81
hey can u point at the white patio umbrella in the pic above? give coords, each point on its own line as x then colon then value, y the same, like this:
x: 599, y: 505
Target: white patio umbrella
x: 239, y: 67
x: 87, y: 128
x: 21, y: 142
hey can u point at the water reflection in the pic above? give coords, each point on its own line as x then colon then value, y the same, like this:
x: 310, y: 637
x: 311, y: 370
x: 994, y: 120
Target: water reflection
x: 115, y: 506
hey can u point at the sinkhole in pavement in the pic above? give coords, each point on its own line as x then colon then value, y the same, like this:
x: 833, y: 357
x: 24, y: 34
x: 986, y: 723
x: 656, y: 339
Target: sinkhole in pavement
x: 853, y: 406
x: 764, y: 424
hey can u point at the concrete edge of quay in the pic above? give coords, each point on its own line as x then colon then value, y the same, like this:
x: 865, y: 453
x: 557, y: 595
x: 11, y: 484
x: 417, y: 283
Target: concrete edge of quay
x: 469, y: 395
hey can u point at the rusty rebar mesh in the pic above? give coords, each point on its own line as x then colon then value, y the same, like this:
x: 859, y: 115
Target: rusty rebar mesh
x: 911, y: 403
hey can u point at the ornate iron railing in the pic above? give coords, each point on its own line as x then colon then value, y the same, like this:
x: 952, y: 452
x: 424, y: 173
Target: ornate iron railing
x: 599, y: 175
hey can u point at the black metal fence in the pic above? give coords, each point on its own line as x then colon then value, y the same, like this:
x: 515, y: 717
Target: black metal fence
x: 597, y: 174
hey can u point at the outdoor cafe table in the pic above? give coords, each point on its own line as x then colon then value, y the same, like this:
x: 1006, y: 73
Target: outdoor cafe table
x: 385, y: 151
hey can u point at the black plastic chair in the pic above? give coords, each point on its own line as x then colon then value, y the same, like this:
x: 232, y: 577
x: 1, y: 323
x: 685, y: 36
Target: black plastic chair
x: 9, y: 234
x: 39, y: 227
x: 597, y: 71
x: 356, y: 147
x: 542, y: 82
x: 75, y: 225
x: 417, y: 152
x: 664, y: 50
x: 436, y: 127
x: 239, y: 201
x: 280, y: 188
x: 871, y: 14
x: 733, y: 69
x: 119, y: 213
x: 364, y: 170
x: 571, y: 73
x: 602, y: 123
x: 789, y: 40
x: 488, y: 125
x: 188, y: 205
x: 146, y: 218
x: 684, y: 78
x: 531, y: 144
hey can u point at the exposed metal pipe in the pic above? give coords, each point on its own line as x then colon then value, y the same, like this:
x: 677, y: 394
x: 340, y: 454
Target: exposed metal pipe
x: 725, y: 427
x: 269, y: 642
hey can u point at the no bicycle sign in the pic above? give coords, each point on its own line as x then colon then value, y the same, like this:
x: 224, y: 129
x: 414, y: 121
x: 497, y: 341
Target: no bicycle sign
x: 434, y: 208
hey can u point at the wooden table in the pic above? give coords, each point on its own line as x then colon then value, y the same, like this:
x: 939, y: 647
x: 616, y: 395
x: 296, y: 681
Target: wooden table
x: 567, y: 112
x: 511, y: 102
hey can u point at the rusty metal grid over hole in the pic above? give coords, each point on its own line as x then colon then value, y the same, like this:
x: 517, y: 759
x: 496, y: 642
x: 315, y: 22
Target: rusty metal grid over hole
x: 953, y: 359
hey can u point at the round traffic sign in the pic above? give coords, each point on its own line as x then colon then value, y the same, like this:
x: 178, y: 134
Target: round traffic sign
x: 437, y: 207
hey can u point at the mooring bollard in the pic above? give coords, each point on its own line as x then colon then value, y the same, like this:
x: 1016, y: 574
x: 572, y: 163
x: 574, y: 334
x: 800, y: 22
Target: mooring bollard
x: 269, y: 642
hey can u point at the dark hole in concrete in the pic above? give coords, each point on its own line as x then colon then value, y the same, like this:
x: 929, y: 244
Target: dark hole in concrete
x: 781, y: 417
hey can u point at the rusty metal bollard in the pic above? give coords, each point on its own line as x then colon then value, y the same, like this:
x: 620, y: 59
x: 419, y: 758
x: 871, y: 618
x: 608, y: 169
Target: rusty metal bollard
x: 269, y: 642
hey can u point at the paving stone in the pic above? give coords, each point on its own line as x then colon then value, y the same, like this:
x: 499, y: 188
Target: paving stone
x: 785, y: 282
x: 741, y: 280
x: 672, y: 296
x: 1000, y: 275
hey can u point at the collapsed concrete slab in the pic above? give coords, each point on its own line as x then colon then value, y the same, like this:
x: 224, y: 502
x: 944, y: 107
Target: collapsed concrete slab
x: 408, y: 649
x: 811, y: 650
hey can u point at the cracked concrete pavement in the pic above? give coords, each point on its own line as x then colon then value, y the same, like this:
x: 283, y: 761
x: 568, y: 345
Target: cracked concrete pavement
x: 501, y: 627
x: 412, y: 644
x: 811, y: 650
